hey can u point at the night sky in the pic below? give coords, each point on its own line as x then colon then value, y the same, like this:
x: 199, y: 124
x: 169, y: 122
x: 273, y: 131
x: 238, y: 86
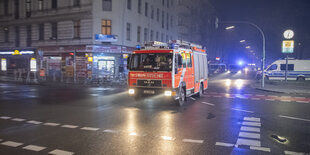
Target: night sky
x: 274, y: 17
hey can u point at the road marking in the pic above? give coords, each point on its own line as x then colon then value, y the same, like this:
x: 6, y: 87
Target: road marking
x: 248, y: 142
x: 244, y: 128
x: 12, y: 144
x: 293, y: 153
x: 69, y: 126
x: 242, y: 110
x: 224, y: 144
x: 260, y: 148
x: 5, y: 117
x: 249, y: 135
x: 18, y: 119
x: 285, y: 96
x: 51, y: 124
x: 208, y: 103
x: 110, y: 131
x: 90, y: 129
x: 270, y: 99
x: 193, y: 98
x: 259, y: 95
x: 295, y: 118
x: 255, y: 98
x: 167, y: 138
x: 302, y: 101
x: 60, y: 152
x: 251, y: 124
x: 286, y: 100
x: 34, y: 148
x: 300, y: 97
x: 34, y: 122
x: 192, y: 141
x: 254, y: 119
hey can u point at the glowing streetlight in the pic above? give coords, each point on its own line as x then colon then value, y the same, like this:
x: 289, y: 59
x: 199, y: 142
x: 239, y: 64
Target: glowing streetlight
x: 229, y: 27
x: 242, y: 41
x: 248, y: 47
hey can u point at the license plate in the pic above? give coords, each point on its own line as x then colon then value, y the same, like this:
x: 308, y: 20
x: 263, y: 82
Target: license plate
x: 149, y: 92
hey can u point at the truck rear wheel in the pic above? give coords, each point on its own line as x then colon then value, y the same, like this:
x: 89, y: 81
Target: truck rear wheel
x: 300, y: 78
x: 200, y: 91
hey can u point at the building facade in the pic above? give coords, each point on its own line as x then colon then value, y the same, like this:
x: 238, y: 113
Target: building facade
x: 89, y: 38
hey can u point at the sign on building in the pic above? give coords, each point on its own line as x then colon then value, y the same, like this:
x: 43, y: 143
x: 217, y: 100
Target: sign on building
x: 288, y: 46
x: 3, y: 64
x: 105, y: 38
x: 33, y: 65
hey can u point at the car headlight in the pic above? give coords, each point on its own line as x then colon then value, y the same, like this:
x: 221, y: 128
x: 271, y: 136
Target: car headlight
x: 131, y: 91
x: 239, y: 71
x: 168, y: 93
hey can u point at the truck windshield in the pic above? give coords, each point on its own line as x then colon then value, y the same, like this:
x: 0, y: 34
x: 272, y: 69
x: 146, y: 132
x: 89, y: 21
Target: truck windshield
x: 151, y: 62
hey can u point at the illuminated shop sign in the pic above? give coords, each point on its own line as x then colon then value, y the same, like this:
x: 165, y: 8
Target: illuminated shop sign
x: 3, y: 64
x: 105, y: 38
x: 33, y: 65
x: 16, y: 52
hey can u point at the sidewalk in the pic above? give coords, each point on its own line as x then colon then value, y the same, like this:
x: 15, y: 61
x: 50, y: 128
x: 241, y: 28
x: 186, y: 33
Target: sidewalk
x: 291, y: 87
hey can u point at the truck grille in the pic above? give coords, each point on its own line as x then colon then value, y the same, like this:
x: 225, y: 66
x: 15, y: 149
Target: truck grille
x: 149, y: 83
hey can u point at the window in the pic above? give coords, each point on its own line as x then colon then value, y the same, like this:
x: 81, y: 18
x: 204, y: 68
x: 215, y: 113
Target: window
x: 54, y: 31
x: 171, y: 2
x: 146, y: 9
x: 163, y: 19
x: 167, y: 23
x: 16, y: 8
x: 6, y: 34
x: 162, y: 37
x: 157, y: 36
x: 129, y: 4
x: 28, y: 39
x: 273, y: 67
x: 138, y: 34
x: 41, y: 31
x: 290, y: 67
x: 6, y: 7
x: 128, y: 27
x: 139, y: 6
x: 171, y: 22
x: 152, y: 35
x: 76, y: 2
x: 145, y: 34
x: 157, y: 15
x: 152, y: 12
x: 17, y: 36
x: 167, y: 38
x: 107, y: 5
x: 189, y: 60
x: 77, y: 29
x: 163, y: 2
x: 40, y: 5
x: 106, y: 26
x: 167, y: 3
x: 28, y: 8
x: 54, y: 4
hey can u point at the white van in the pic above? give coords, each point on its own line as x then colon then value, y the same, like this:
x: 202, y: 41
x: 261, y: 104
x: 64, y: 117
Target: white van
x: 297, y: 70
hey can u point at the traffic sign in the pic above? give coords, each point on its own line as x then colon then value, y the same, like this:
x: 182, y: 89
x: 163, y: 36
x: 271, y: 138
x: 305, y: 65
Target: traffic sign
x: 288, y: 34
x: 288, y: 46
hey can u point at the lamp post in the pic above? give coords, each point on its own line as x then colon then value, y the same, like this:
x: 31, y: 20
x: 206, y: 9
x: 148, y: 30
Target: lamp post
x: 264, y: 41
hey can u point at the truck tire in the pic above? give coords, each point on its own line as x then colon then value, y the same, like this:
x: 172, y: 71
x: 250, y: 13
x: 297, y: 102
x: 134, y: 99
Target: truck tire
x: 300, y: 78
x: 182, y: 97
x: 200, y: 91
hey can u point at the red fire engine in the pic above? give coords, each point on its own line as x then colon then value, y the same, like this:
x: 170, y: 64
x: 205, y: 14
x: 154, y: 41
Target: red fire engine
x: 176, y: 70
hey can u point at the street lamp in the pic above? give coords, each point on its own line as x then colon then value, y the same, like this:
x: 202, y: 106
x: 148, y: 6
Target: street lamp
x: 248, y: 47
x: 264, y: 42
x: 242, y: 41
x: 229, y: 27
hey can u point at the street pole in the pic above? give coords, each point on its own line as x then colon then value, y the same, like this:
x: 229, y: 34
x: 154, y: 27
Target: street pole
x: 286, y: 68
x: 264, y: 44
x: 74, y: 67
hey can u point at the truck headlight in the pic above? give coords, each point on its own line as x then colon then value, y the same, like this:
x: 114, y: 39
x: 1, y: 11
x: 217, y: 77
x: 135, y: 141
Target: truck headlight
x: 239, y: 72
x: 131, y: 91
x: 168, y: 93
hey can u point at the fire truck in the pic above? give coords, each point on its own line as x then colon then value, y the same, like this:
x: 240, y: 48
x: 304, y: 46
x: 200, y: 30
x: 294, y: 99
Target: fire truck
x: 174, y: 70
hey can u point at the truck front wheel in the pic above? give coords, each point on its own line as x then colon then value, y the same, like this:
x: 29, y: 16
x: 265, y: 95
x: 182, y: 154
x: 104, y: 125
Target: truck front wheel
x: 182, y: 96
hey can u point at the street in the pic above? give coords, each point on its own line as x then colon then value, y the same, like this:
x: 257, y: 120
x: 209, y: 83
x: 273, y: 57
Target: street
x: 230, y: 118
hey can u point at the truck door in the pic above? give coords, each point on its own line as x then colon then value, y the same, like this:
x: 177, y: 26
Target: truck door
x: 190, y: 71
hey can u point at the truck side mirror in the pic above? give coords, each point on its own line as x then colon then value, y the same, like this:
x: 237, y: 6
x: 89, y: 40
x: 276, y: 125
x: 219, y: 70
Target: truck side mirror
x: 128, y: 61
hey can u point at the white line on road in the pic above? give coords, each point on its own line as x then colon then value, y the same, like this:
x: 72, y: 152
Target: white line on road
x: 12, y: 144
x: 302, y: 101
x: 242, y: 110
x: 69, y: 126
x: 286, y: 96
x: 167, y: 138
x: 34, y: 148
x: 193, y: 98
x: 110, y: 131
x: 90, y: 129
x: 295, y: 118
x: 34, y: 122
x: 51, y: 124
x: 293, y: 153
x: 254, y: 119
x: 270, y: 99
x: 224, y: 144
x: 18, y: 119
x: 60, y: 152
x: 5, y: 117
x: 248, y: 142
x: 252, y: 129
x: 286, y: 100
x: 192, y: 141
x: 249, y: 135
x: 260, y: 148
x: 251, y: 124
x: 208, y: 103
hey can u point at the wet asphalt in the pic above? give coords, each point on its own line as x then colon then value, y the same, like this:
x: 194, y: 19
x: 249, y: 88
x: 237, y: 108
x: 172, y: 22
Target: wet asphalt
x: 230, y: 118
